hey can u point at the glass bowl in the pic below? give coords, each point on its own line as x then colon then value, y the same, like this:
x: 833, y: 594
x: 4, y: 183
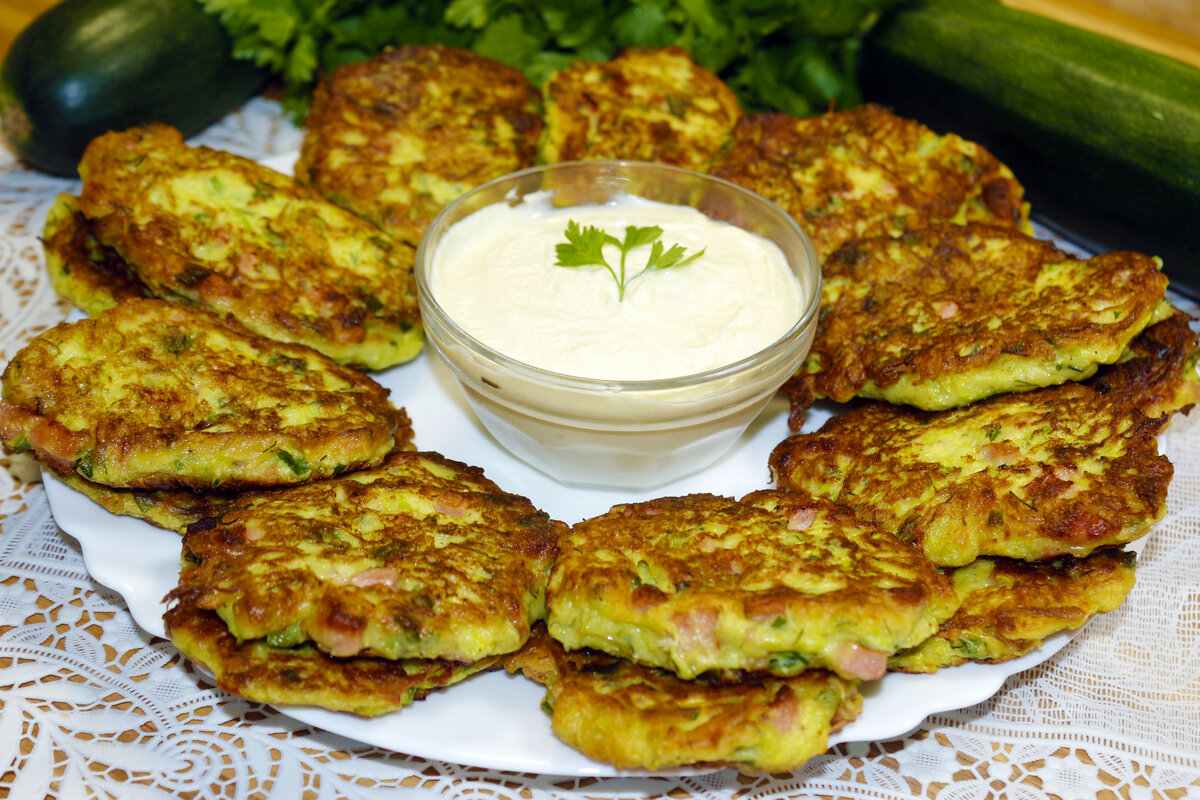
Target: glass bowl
x: 612, y: 433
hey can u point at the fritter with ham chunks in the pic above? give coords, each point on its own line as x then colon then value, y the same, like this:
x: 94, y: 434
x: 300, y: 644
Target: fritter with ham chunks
x: 219, y: 231
x: 421, y: 558
x: 158, y: 395
x: 950, y: 314
x: 397, y: 137
x: 1010, y: 607
x: 274, y: 670
x: 637, y: 717
x: 1035, y: 475
x: 84, y: 272
x: 867, y: 172
x: 644, y: 105
x: 777, y: 582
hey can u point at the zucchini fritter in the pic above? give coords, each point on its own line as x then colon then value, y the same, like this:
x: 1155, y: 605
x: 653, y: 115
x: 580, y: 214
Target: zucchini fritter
x: 867, y: 172
x: 422, y: 557
x: 1033, y: 475
x: 240, y: 239
x: 644, y: 105
x: 283, y: 674
x: 777, y: 582
x: 84, y: 272
x: 637, y: 717
x: 176, y: 509
x: 1010, y: 607
x: 397, y: 137
x: 151, y: 394
x: 951, y: 314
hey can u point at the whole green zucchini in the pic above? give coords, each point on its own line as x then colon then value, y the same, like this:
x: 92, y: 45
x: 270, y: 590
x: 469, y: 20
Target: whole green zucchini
x: 1105, y: 136
x: 85, y: 67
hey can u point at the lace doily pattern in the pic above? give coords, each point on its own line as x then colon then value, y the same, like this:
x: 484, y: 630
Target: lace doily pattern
x: 92, y: 706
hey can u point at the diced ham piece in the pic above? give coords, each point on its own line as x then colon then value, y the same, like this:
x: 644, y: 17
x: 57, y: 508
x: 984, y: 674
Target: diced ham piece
x: 800, y: 520
x: 855, y: 661
x: 376, y: 576
x: 946, y: 309
x: 999, y: 453
x: 697, y: 629
x: 452, y: 505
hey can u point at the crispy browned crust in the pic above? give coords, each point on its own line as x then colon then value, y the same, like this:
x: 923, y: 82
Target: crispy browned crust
x: 641, y: 717
x: 398, y: 136
x: 155, y: 395
x: 305, y: 676
x: 644, y: 105
x: 950, y: 314
x: 241, y: 239
x: 777, y: 581
x: 422, y: 557
x: 84, y: 272
x: 1018, y: 605
x: 1034, y: 475
x: 1159, y: 370
x: 867, y: 172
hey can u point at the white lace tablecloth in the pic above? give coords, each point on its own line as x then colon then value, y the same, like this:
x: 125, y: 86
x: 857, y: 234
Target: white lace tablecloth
x: 91, y: 706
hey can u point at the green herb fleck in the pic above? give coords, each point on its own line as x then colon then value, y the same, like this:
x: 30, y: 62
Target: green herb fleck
x: 288, y: 637
x: 296, y: 463
x: 585, y: 248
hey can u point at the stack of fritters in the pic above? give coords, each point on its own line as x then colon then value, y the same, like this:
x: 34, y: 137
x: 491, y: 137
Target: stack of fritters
x: 363, y: 592
x: 707, y: 629
x: 949, y: 314
x: 397, y: 137
x: 215, y: 230
x: 1030, y: 495
x: 155, y: 395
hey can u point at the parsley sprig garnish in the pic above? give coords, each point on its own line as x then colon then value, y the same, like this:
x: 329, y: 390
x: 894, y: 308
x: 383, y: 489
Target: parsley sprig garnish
x: 585, y: 248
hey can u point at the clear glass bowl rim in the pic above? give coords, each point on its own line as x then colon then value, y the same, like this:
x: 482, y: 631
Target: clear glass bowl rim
x: 772, y: 352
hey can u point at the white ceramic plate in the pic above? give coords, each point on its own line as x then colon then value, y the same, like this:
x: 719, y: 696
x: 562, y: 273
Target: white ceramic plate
x: 495, y: 720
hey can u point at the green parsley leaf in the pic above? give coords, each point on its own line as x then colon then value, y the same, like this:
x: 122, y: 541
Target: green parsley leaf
x: 585, y: 247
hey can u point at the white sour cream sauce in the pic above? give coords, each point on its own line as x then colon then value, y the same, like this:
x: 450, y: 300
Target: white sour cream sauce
x: 494, y: 274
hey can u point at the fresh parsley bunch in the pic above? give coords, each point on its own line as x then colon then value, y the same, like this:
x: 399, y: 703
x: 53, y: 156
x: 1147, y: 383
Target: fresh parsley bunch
x: 795, y: 56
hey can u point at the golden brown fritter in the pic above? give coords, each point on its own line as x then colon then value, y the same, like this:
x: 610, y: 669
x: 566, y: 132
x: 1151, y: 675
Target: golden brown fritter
x: 950, y: 314
x: 171, y: 509
x: 302, y: 675
x: 397, y: 137
x: 151, y: 394
x: 776, y: 582
x: 1010, y: 607
x: 240, y: 239
x: 644, y: 105
x: 420, y: 558
x: 84, y: 272
x: 1033, y: 475
x: 176, y: 509
x: 867, y: 172
x: 1159, y: 368
x: 638, y: 717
